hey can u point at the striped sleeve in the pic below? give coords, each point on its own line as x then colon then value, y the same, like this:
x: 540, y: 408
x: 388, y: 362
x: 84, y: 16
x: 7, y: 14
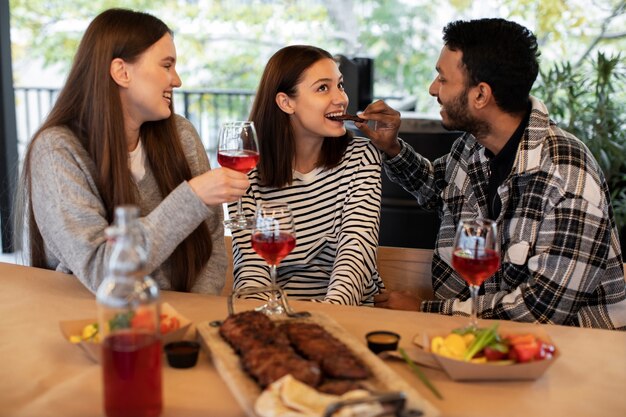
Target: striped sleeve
x: 354, y: 275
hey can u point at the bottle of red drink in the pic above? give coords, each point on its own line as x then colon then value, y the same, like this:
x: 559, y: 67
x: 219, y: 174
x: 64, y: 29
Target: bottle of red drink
x: 128, y: 317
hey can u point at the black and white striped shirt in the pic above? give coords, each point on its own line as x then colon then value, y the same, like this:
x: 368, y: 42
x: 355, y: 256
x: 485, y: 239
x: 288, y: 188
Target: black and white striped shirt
x: 337, y: 219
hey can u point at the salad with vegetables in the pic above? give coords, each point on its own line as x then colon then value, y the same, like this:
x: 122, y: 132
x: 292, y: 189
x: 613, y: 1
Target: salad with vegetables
x: 486, y: 345
x: 134, y: 320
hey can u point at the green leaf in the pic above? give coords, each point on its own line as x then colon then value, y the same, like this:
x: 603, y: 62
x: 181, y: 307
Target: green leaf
x: 484, y: 338
x: 464, y: 330
x: 500, y: 347
x: 121, y: 321
x: 421, y: 375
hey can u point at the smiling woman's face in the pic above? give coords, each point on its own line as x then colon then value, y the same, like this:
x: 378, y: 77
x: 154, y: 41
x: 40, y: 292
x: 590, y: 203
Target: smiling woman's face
x: 319, y: 93
x: 152, y: 80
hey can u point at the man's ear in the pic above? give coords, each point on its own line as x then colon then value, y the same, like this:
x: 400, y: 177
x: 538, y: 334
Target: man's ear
x: 482, y: 95
x: 119, y: 72
x: 285, y: 103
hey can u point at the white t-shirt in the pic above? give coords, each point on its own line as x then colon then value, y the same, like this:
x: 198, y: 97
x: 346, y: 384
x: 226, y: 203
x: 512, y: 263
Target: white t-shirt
x: 136, y: 162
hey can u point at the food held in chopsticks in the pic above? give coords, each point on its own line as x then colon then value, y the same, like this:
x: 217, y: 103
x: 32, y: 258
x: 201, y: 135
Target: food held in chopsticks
x: 344, y: 117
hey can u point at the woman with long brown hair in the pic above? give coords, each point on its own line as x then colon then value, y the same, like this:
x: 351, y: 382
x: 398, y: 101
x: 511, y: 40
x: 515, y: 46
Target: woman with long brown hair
x: 330, y: 179
x: 112, y: 138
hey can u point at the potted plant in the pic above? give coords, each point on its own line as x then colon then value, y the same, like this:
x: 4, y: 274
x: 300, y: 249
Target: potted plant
x: 589, y: 101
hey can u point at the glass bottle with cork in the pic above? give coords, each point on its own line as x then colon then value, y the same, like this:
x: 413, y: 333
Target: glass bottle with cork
x: 128, y: 316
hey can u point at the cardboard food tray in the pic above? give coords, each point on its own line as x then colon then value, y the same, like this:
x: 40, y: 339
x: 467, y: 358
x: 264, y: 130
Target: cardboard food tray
x: 92, y: 350
x: 459, y: 370
x: 246, y: 390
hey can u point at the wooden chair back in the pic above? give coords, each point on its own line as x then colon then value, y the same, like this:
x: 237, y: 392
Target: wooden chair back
x: 405, y: 269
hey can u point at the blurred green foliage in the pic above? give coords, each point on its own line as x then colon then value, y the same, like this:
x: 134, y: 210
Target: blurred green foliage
x: 225, y: 44
x: 589, y: 101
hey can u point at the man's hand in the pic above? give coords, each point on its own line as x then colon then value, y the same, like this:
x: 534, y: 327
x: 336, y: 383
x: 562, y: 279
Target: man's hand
x: 397, y: 300
x: 387, y: 124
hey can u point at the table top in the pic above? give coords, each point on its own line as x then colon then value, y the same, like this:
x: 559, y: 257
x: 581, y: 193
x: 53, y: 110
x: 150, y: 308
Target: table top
x: 44, y: 375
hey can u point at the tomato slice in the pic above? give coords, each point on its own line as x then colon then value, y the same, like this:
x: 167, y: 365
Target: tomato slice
x: 169, y: 324
x: 524, y: 352
x: 142, y: 319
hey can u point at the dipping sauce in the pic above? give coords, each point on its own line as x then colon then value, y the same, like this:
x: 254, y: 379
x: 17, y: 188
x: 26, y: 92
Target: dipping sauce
x: 183, y: 354
x: 382, y: 340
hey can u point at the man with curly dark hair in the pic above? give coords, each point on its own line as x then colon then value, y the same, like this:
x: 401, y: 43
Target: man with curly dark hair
x: 561, y: 260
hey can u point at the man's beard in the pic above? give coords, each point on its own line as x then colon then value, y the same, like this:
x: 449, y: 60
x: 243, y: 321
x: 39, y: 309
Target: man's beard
x: 459, y: 117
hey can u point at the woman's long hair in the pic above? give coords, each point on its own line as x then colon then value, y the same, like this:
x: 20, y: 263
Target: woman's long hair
x: 90, y: 106
x: 282, y: 74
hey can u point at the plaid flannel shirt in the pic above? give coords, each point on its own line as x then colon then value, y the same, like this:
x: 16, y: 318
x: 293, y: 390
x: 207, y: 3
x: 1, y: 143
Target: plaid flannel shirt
x: 561, y: 260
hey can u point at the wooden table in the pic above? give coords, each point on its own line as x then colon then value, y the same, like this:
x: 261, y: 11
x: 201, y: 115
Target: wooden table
x: 43, y: 375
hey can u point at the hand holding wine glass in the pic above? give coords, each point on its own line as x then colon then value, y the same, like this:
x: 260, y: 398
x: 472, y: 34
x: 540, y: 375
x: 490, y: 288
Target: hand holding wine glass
x: 273, y: 238
x: 476, y: 256
x: 238, y: 149
x: 219, y: 185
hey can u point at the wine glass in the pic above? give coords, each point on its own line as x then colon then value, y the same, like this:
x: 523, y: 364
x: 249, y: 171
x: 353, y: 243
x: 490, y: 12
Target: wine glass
x: 238, y: 149
x: 273, y: 238
x: 476, y: 256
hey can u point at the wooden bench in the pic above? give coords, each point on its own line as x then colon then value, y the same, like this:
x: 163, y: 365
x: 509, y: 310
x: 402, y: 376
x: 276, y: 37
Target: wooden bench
x: 400, y: 268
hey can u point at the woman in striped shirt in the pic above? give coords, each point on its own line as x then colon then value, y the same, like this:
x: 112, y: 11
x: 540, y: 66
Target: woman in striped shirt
x: 330, y: 179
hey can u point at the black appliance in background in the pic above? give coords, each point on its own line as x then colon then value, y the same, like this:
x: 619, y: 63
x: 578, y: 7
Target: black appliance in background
x: 358, y: 81
x: 403, y: 222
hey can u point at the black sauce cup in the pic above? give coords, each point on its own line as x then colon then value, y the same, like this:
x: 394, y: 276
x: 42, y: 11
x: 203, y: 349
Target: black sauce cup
x: 382, y: 340
x: 183, y: 354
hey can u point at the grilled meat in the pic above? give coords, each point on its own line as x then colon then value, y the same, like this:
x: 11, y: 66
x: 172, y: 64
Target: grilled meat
x: 316, y: 344
x: 265, y: 351
x: 304, y: 350
x: 250, y: 329
x: 269, y: 363
x: 338, y: 386
x: 344, y: 366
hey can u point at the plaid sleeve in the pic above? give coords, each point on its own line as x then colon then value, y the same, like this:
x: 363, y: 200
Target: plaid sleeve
x: 416, y: 174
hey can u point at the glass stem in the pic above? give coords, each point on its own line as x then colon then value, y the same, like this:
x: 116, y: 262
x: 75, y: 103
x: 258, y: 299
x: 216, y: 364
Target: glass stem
x: 239, y: 208
x: 474, y: 315
x: 273, y: 300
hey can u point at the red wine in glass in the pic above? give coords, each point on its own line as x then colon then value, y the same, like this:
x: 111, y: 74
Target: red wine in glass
x: 238, y: 149
x: 475, y: 270
x: 273, y: 238
x: 476, y: 257
x: 242, y: 161
x: 273, y: 248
